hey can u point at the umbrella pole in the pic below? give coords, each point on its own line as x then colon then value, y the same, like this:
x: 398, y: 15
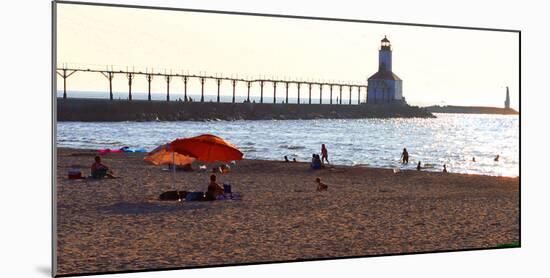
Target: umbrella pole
x: 174, y: 174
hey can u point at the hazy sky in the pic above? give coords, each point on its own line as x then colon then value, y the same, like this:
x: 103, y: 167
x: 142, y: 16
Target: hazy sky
x: 438, y: 66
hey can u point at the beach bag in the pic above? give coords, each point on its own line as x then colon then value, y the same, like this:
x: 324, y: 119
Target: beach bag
x: 75, y: 174
x: 227, y: 190
x: 194, y: 196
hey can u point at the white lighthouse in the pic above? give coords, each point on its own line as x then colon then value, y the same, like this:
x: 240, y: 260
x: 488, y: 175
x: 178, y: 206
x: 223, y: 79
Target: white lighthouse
x: 507, y: 101
x: 384, y: 86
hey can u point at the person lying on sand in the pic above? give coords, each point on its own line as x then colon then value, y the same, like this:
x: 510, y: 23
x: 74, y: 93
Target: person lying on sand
x: 321, y: 186
x: 100, y: 170
x: 214, y: 189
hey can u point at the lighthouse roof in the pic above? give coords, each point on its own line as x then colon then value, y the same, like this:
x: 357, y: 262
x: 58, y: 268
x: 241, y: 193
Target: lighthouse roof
x: 385, y: 39
x: 384, y: 75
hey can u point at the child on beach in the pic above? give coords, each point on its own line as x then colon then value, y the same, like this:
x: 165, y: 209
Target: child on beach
x: 214, y: 189
x: 444, y: 168
x: 324, y: 153
x: 100, y: 170
x: 321, y: 186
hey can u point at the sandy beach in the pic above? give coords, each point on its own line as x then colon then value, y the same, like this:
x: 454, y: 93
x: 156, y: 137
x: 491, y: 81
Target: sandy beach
x: 120, y: 225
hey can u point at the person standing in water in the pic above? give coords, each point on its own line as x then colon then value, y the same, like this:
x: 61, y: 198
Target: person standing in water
x: 405, y: 156
x: 324, y: 154
x: 418, y: 167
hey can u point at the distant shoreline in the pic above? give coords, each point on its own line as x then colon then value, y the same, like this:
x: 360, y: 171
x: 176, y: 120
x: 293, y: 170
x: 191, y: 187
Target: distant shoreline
x: 471, y: 110
x: 104, y: 110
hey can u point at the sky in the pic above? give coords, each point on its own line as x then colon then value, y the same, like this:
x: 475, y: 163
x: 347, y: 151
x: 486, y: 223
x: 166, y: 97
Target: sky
x: 438, y: 66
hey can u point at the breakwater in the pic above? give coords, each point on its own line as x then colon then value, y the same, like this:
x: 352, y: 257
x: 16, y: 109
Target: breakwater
x: 102, y: 110
x: 472, y: 110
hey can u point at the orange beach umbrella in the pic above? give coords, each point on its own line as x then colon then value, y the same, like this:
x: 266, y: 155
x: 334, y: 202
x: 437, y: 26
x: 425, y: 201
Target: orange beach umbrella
x: 164, y: 156
x: 206, y: 148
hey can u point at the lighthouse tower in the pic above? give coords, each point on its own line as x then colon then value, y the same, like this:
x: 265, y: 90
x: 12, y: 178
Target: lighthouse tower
x: 507, y: 101
x: 384, y: 86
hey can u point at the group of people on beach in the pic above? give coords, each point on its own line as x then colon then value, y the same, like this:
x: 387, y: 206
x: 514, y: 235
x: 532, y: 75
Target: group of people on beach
x: 100, y: 170
x: 405, y: 160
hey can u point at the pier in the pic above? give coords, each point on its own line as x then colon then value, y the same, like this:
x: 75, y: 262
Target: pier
x: 169, y: 77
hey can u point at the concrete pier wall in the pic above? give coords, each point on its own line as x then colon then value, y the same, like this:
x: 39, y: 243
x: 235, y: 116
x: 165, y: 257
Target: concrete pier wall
x: 142, y: 110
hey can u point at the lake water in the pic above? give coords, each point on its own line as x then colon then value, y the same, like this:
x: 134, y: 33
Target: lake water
x: 452, y: 139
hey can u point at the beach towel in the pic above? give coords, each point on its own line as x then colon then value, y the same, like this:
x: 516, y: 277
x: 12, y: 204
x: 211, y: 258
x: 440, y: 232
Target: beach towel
x: 194, y: 196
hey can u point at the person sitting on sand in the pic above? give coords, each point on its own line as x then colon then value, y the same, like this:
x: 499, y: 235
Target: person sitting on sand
x: 214, y: 189
x: 224, y: 169
x: 405, y: 156
x: 316, y: 162
x: 418, y: 167
x: 324, y: 153
x: 444, y: 168
x: 294, y: 160
x: 321, y: 186
x: 473, y: 159
x: 286, y: 159
x: 100, y: 170
x: 497, y: 158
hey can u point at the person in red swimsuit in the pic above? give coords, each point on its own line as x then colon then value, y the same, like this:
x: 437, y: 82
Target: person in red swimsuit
x: 324, y: 153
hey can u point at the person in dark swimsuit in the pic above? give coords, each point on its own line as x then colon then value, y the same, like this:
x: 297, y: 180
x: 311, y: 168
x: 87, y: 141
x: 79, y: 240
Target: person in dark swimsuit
x: 100, y: 170
x: 214, y: 189
x: 405, y: 156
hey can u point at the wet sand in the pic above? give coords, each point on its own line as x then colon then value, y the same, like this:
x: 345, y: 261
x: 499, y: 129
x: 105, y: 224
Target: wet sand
x: 119, y: 224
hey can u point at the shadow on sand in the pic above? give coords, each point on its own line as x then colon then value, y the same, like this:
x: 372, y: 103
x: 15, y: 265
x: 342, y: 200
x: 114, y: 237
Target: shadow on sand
x: 154, y: 207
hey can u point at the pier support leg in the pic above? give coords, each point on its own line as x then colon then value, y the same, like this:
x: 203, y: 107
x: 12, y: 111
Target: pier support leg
x: 185, y: 88
x: 234, y: 82
x: 65, y: 76
x: 358, y: 95
x: 261, y: 92
x: 286, y: 97
x: 149, y: 79
x: 330, y: 94
x: 274, y: 92
x: 320, y: 93
x: 299, y: 85
x: 130, y: 77
x: 248, y: 92
x: 340, y: 94
x: 168, y: 77
x: 202, y: 89
x: 350, y: 95
x: 109, y: 75
x: 309, y: 93
x: 64, y: 88
x: 219, y: 82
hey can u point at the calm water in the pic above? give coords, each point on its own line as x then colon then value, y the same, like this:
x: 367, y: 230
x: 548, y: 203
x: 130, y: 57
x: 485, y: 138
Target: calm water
x: 451, y: 139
